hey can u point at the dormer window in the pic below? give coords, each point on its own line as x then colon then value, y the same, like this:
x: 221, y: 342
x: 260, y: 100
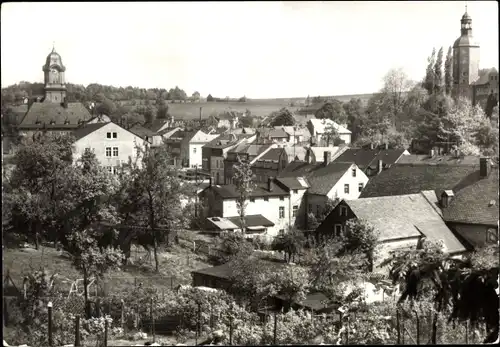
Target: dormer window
x: 66, y: 122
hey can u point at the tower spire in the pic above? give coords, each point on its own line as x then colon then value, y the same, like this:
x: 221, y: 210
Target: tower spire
x: 53, y: 46
x: 466, y: 7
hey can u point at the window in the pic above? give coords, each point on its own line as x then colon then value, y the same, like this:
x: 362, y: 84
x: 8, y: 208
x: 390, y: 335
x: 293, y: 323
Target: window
x: 194, y: 150
x: 115, y: 151
x: 338, y: 230
x: 282, y: 212
x: 310, y: 209
x: 346, y: 188
x: 88, y: 149
x: 115, y: 135
x: 360, y: 187
x: 282, y: 198
x: 266, y: 199
x: 110, y: 169
x: 343, y: 211
x: 217, y: 164
x: 108, y: 135
x: 108, y: 151
x: 353, y: 170
x: 115, y: 170
x: 492, y: 235
x: 295, y: 210
x: 282, y: 232
x: 252, y: 199
x: 295, y: 191
x: 318, y: 210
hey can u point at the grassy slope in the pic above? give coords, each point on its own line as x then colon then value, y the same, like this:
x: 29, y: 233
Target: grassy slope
x: 177, y: 263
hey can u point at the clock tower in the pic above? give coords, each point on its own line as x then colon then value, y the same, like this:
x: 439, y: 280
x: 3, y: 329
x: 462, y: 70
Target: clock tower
x: 465, y: 60
x: 55, y: 85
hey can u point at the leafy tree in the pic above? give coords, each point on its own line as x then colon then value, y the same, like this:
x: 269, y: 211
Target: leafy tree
x: 282, y: 117
x: 147, y: 112
x: 162, y: 112
x: 195, y: 96
x: 233, y: 245
x: 448, y: 72
x: 151, y: 192
x: 396, y: 86
x: 429, y: 75
x: 360, y: 237
x: 90, y: 260
x: 243, y: 180
x: 318, y: 100
x: 331, y: 134
x: 376, y: 119
x: 354, y: 111
x: 486, y: 137
x: 467, y: 287
x: 210, y: 98
x: 242, y: 99
x: 333, y: 110
x: 105, y: 107
x: 314, y: 221
x: 176, y: 94
x: 491, y: 103
x: 438, y: 73
x: 291, y: 243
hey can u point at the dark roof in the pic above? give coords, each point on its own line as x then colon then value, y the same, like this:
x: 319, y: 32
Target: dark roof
x: 365, y: 158
x: 46, y: 112
x: 87, y: 129
x: 156, y: 124
x: 272, y: 133
x: 314, y: 301
x: 228, y: 191
x: 223, y: 141
x: 425, y: 159
x: 272, y: 155
x: 473, y: 204
x: 292, y: 182
x: 321, y: 178
x: 402, y: 179
x: 484, y: 76
x: 180, y: 135
x: 250, y: 149
x: 141, y: 131
x: 252, y: 221
x: 403, y: 216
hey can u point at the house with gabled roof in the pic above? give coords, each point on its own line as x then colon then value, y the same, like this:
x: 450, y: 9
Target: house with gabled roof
x: 372, y: 160
x: 269, y: 164
x: 401, y: 221
x: 320, y: 127
x: 249, y: 152
x: 327, y: 181
x: 272, y: 136
x: 112, y: 144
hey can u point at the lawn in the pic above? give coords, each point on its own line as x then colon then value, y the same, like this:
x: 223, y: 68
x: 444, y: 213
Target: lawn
x: 176, y: 265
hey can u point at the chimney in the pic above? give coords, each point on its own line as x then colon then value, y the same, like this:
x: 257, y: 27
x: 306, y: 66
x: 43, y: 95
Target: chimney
x: 270, y: 184
x: 386, y: 146
x: 372, y: 145
x: 431, y: 153
x: 484, y: 167
x: 379, y: 166
x: 309, y: 156
x: 327, y: 157
x: 210, y: 181
x: 446, y: 198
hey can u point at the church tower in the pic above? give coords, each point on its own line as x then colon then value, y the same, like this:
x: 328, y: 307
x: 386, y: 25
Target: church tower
x: 55, y: 85
x: 465, y: 60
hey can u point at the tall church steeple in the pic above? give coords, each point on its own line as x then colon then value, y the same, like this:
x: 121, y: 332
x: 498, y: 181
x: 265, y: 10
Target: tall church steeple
x: 465, y: 59
x: 55, y: 85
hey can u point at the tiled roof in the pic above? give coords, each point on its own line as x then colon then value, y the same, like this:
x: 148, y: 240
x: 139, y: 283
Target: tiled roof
x: 425, y: 159
x: 87, y: 129
x: 402, y: 179
x: 243, y: 130
x: 141, y: 131
x: 156, y: 124
x: 365, y: 158
x: 272, y: 155
x: 321, y: 178
x: 320, y: 125
x: 255, y: 220
x: 45, y: 112
x: 293, y: 182
x: 250, y: 149
x: 319, y: 152
x: 473, y: 204
x: 295, y: 152
x: 272, y: 133
x: 224, y: 141
x: 403, y: 216
x: 228, y: 191
x: 484, y: 77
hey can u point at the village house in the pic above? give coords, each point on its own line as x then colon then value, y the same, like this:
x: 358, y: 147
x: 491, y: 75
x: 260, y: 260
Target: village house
x: 372, y: 160
x: 269, y: 200
x: 297, y: 135
x: 272, y: 136
x: 472, y: 212
x: 186, y: 146
x: 327, y: 181
x: 111, y: 144
x: 227, y: 119
x: 245, y: 152
x: 400, y: 221
x: 484, y: 86
x: 215, y: 152
x: 145, y: 134
x: 255, y: 225
x: 269, y: 165
x: 319, y: 128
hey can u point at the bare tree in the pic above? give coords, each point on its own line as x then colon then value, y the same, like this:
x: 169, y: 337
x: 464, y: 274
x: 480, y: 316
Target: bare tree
x: 242, y: 178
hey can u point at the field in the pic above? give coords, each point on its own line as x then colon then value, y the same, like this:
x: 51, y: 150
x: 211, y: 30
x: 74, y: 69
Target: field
x: 258, y: 107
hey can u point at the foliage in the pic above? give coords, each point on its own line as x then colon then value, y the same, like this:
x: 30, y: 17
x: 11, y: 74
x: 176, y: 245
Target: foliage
x: 291, y: 243
x: 333, y: 110
x: 491, y: 104
x: 448, y: 72
x: 105, y: 107
x: 282, y: 117
x: 233, y: 245
x: 210, y: 98
x: 396, y: 85
x: 429, y: 75
x: 314, y: 220
x: 438, y: 73
x: 242, y: 99
x: 243, y: 181
x: 360, y: 237
x: 150, y: 196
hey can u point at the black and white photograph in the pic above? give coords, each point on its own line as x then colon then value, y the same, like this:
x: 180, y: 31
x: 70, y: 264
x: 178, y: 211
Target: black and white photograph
x: 250, y: 173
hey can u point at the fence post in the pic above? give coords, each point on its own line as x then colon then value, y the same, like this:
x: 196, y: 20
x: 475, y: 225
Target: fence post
x: 403, y: 329
x: 398, y: 327
x: 275, y: 328
x: 105, y: 332
x: 198, y: 328
x: 466, y: 332
x: 77, y: 331
x: 152, y: 319
x: 230, y: 330
x: 418, y: 328
x: 171, y: 283
x: 49, y: 307
x: 135, y: 282
x: 347, y: 330
x: 123, y: 314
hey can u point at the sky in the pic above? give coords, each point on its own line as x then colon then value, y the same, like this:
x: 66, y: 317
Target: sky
x: 258, y: 49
